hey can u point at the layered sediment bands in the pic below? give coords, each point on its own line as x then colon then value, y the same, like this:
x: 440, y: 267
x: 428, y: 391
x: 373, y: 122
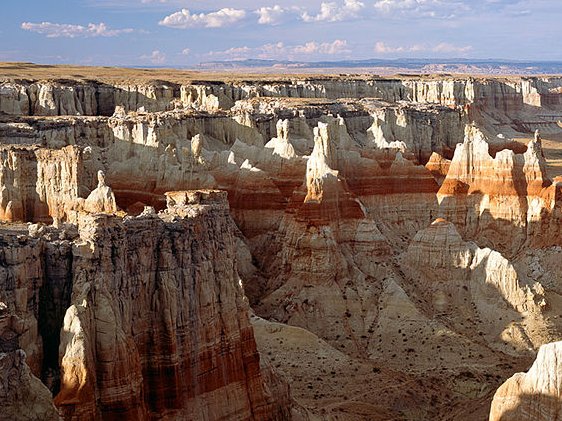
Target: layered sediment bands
x: 534, y: 395
x: 156, y: 321
x: 39, y: 185
x: 334, y: 186
x: 497, y: 200
x: 149, y: 301
x: 257, y: 176
x: 67, y: 97
x: 79, y: 98
x: 419, y: 130
x: 395, y: 192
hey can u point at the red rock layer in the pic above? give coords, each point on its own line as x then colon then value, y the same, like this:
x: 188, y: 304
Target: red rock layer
x: 497, y: 200
x: 395, y: 175
x: 157, y: 325
x: 473, y: 170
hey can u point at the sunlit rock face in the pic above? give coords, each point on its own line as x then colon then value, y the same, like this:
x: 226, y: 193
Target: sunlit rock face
x: 166, y: 338
x: 487, y: 285
x: 497, y: 200
x: 140, y: 327
x: 395, y: 242
x: 534, y: 395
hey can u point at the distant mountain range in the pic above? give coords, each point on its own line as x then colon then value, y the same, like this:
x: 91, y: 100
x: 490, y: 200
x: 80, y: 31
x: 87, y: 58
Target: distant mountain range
x: 385, y: 66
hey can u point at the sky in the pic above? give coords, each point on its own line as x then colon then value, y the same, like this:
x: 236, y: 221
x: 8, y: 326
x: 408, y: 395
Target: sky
x: 188, y: 32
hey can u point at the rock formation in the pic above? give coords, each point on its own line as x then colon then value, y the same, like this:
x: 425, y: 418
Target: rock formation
x: 22, y: 395
x: 535, y: 395
x: 101, y: 199
x: 129, y: 344
x: 405, y: 231
x: 496, y: 198
x: 174, y: 358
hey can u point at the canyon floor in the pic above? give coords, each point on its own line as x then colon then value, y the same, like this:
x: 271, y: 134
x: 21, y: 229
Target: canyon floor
x: 185, y: 245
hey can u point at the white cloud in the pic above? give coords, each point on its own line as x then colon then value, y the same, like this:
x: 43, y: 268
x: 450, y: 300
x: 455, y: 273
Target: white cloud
x: 58, y: 30
x: 442, y: 9
x: 156, y: 57
x: 383, y: 48
x: 270, y: 15
x: 185, y: 19
x: 329, y: 48
x: 389, y: 6
x: 281, y: 51
x: 423, y: 8
x: 186, y: 51
x: 235, y: 53
x: 334, y: 12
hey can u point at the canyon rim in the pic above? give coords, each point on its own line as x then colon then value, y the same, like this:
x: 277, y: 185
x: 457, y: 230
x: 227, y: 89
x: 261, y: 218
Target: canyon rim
x: 336, y: 247
x: 338, y: 211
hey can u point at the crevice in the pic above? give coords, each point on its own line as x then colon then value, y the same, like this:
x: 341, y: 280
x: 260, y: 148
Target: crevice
x: 54, y: 300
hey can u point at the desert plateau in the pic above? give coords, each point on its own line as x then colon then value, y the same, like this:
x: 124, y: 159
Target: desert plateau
x: 178, y: 245
x: 254, y: 210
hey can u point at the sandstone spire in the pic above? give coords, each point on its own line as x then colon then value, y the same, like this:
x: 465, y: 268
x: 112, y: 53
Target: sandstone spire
x: 101, y: 199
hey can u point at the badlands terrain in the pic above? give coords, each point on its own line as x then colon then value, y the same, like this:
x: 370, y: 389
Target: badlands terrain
x: 188, y: 246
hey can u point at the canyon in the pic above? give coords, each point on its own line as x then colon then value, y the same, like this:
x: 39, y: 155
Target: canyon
x: 181, y: 245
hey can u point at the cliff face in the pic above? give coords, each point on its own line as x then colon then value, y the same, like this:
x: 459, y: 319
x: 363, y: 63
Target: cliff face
x: 79, y: 98
x: 534, y: 395
x: 145, y: 332
x: 22, y: 285
x: 148, y: 302
x: 39, y: 184
x: 401, y: 229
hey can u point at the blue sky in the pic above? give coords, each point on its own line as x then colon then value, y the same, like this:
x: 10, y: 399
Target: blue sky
x: 186, y: 32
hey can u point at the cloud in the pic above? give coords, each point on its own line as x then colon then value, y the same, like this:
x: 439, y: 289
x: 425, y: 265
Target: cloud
x: 382, y: 48
x: 441, y: 9
x: 421, y: 8
x: 186, y: 51
x: 236, y: 53
x: 329, y: 48
x: 280, y: 50
x: 270, y: 15
x: 59, y: 30
x: 334, y: 12
x: 446, y: 48
x: 156, y: 57
x: 184, y: 19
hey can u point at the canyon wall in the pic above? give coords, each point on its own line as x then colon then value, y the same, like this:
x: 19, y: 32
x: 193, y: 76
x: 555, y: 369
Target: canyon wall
x: 65, y: 97
x: 140, y: 304
x: 406, y: 229
x: 534, y: 395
